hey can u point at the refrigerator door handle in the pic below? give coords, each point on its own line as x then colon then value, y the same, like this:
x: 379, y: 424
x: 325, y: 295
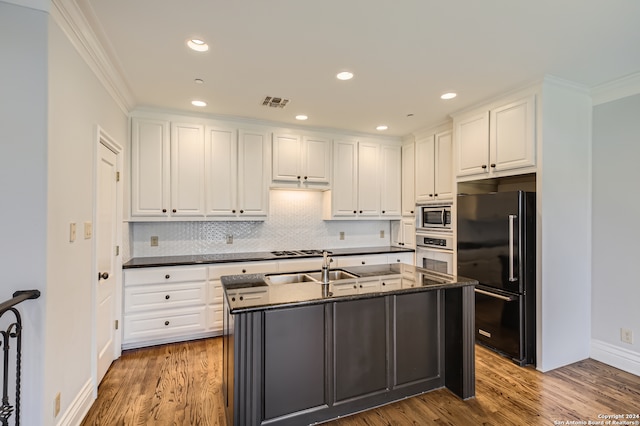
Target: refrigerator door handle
x: 512, y: 277
x: 497, y: 296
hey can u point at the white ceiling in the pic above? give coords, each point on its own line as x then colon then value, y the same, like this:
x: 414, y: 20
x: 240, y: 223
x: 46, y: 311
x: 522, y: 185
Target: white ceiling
x: 404, y: 54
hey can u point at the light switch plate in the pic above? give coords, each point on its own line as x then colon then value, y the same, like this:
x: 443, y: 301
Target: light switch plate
x: 88, y: 230
x: 72, y: 232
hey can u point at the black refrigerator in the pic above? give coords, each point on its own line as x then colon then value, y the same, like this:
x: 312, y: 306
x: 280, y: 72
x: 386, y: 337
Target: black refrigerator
x: 497, y: 247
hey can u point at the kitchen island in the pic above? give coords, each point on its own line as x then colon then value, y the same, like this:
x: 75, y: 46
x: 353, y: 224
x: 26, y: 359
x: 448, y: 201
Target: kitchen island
x: 297, y: 351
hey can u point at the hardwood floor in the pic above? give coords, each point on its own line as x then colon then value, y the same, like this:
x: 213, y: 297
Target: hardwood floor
x: 180, y: 384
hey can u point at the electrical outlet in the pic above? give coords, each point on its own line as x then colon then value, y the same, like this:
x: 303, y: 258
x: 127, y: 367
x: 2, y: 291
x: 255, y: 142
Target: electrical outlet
x: 56, y: 405
x: 229, y: 239
x: 381, y: 234
x: 341, y: 235
x: 154, y: 241
x: 626, y: 335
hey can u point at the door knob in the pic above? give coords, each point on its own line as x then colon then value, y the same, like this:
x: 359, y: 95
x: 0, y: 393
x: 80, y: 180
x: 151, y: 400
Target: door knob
x: 103, y: 276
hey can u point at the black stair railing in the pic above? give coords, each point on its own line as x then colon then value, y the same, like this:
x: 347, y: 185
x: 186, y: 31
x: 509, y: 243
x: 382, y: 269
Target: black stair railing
x: 11, y: 334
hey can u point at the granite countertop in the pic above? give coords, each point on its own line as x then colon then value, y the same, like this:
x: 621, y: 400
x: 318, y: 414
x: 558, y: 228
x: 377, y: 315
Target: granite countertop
x: 148, y: 262
x: 252, y: 292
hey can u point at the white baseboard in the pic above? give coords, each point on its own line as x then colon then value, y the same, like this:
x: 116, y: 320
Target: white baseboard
x: 79, y: 407
x: 616, y: 356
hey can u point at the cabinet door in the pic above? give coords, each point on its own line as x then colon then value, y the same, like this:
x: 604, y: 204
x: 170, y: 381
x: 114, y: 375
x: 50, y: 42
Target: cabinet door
x: 408, y: 179
x: 425, y: 160
x: 443, y: 176
x: 316, y: 161
x: 368, y: 179
x: 221, y: 172
x: 409, y: 233
x: 472, y: 144
x: 391, y: 183
x: 149, y: 167
x: 512, y: 135
x: 187, y: 170
x: 344, y: 197
x: 287, y: 156
x: 253, y: 172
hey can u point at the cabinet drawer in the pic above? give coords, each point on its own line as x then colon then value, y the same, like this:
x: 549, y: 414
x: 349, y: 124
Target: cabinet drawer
x: 300, y: 265
x: 389, y: 284
x: 401, y: 258
x: 372, y: 259
x: 163, y: 275
x: 166, y: 323
x: 161, y: 296
x: 215, y: 272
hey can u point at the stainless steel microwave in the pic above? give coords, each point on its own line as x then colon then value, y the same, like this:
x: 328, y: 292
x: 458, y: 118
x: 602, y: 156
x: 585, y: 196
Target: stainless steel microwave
x: 434, y: 217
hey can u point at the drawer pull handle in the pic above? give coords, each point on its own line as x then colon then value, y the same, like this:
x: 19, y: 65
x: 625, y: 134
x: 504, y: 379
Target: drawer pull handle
x: 167, y: 276
x: 166, y: 323
x: 167, y: 297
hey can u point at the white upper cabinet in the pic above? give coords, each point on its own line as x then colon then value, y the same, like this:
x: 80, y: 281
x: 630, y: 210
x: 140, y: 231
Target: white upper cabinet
x: 496, y: 142
x: 150, y: 168
x: 434, y: 177
x: 187, y: 170
x: 253, y: 174
x: 304, y: 161
x: 222, y: 172
x: 408, y: 179
x: 184, y: 171
x: 391, y: 182
x: 367, y: 181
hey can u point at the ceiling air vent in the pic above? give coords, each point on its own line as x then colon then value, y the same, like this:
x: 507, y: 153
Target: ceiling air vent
x: 275, y: 102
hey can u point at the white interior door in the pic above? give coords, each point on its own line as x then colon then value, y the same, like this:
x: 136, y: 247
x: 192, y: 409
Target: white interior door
x: 105, y: 231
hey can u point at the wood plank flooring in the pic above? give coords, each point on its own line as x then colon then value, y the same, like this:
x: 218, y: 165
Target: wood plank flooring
x: 180, y: 384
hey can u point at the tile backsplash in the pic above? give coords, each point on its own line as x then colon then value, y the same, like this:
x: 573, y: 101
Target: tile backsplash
x: 294, y: 222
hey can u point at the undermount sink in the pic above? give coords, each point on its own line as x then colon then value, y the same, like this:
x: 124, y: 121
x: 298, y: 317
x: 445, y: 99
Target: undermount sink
x: 334, y: 275
x: 315, y: 277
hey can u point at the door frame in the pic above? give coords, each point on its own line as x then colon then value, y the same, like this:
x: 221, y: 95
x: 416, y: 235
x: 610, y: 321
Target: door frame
x: 103, y: 138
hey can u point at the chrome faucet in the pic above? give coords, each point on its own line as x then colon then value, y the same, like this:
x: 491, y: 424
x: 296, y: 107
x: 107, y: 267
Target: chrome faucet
x: 326, y: 260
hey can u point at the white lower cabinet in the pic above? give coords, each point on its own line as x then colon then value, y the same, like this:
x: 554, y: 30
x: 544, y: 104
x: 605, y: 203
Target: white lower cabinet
x: 163, y: 305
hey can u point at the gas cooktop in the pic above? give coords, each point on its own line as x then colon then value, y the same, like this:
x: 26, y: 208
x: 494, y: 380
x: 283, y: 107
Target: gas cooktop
x: 298, y: 253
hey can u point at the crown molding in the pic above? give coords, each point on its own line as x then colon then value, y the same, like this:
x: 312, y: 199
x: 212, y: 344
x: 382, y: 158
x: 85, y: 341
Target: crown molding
x: 74, y: 24
x: 617, y: 89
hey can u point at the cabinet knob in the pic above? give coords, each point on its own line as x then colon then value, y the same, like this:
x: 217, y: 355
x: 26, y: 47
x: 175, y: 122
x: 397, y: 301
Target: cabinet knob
x: 244, y: 271
x: 241, y: 211
x: 305, y: 178
x: 164, y: 210
x: 360, y: 285
x: 430, y: 195
x: 166, y: 323
x: 435, y: 195
x: 103, y: 276
x: 411, y: 211
x: 355, y: 286
x: 493, y: 165
x: 167, y: 276
x: 233, y: 211
x: 233, y: 299
x: 383, y: 212
x: 354, y: 212
x: 383, y: 283
x: 175, y: 211
x: 363, y: 262
x: 241, y: 298
x: 167, y: 297
x: 484, y: 166
x: 298, y: 177
x: 360, y: 211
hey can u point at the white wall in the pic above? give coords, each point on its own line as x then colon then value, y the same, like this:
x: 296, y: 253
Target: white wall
x: 78, y: 103
x: 616, y: 232
x: 23, y: 184
x: 564, y: 226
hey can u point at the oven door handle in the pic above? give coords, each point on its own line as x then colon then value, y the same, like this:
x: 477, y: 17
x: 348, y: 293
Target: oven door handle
x: 497, y: 296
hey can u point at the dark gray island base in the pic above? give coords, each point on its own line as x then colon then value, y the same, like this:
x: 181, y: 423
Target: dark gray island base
x: 305, y: 352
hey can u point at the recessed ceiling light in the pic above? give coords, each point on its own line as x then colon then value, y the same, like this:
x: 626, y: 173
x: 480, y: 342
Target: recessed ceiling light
x: 198, y: 81
x: 197, y: 45
x: 344, y: 75
x: 199, y: 103
x: 301, y: 117
x: 449, y: 95
x: 382, y: 127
